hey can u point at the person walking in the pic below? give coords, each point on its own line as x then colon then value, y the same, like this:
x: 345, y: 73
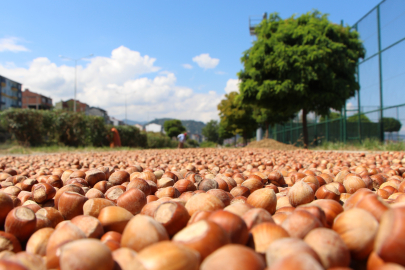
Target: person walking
x: 181, y: 137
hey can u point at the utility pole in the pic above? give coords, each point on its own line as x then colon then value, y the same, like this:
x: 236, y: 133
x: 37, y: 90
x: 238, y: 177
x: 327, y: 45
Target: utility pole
x: 75, y: 60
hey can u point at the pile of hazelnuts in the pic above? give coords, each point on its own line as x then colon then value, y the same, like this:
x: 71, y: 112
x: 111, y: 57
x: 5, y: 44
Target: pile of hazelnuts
x: 203, y: 209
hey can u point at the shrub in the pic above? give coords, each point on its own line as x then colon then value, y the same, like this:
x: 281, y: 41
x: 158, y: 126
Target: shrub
x: 191, y: 143
x: 25, y: 125
x: 159, y: 140
x: 131, y: 136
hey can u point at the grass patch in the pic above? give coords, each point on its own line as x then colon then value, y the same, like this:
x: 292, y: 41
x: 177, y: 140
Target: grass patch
x: 15, y: 149
x: 365, y: 145
x: 208, y: 144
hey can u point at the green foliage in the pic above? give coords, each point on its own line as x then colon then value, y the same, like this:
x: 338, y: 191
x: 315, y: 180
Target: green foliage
x: 191, y: 143
x: 331, y: 116
x: 208, y: 144
x: 211, y: 131
x: 236, y: 118
x: 355, y: 118
x: 173, y: 127
x: 131, y: 136
x: 306, y: 63
x: 367, y: 144
x: 41, y: 127
x: 391, y: 124
x: 159, y: 140
x: 25, y: 125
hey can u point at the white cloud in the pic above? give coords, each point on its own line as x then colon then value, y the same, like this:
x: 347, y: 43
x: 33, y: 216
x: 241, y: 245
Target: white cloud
x: 232, y: 85
x: 205, y: 61
x: 220, y: 72
x: 109, y: 82
x: 10, y: 44
x: 187, y: 66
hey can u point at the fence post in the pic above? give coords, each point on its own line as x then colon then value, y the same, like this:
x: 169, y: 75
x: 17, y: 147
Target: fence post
x: 399, y: 121
x: 344, y: 125
x: 327, y: 128
x: 358, y: 102
x: 284, y: 133
x: 380, y: 74
x: 291, y: 140
x: 315, y: 131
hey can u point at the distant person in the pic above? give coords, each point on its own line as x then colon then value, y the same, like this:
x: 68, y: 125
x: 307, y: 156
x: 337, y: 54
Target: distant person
x: 181, y: 137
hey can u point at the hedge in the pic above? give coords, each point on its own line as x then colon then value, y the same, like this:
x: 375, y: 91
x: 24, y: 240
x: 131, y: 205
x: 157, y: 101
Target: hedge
x: 38, y: 127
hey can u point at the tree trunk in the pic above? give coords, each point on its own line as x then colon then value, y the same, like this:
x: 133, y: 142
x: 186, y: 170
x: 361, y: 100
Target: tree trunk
x: 266, y: 134
x: 304, y: 127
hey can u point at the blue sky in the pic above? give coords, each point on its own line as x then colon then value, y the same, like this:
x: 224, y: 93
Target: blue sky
x: 164, y: 58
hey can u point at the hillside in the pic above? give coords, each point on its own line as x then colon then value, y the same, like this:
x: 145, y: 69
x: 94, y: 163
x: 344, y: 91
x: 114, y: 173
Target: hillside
x: 131, y: 122
x: 194, y: 127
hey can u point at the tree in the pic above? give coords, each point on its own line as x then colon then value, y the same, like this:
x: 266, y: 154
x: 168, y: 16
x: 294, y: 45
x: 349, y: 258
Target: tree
x: 236, y: 118
x: 355, y: 118
x: 331, y: 116
x: 210, y: 131
x: 173, y: 127
x: 306, y: 63
x: 391, y: 124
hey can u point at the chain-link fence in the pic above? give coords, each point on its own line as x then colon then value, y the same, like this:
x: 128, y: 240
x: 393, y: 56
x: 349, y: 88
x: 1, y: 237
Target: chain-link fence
x: 381, y: 75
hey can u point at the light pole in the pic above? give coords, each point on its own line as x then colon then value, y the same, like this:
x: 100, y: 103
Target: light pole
x: 75, y: 60
x: 125, y: 96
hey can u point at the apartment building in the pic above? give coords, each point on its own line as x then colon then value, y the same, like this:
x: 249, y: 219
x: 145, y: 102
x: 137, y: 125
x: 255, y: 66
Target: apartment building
x: 32, y: 100
x: 10, y: 93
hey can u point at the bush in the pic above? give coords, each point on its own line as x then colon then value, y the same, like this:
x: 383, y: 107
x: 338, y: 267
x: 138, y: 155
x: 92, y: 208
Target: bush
x: 131, y: 136
x: 190, y: 143
x: 208, y: 144
x: 26, y: 126
x: 159, y: 140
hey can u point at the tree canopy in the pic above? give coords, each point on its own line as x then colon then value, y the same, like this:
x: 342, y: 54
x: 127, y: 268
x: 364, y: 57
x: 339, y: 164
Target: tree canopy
x: 391, y: 124
x: 210, y: 131
x: 236, y: 118
x: 173, y: 127
x: 355, y: 118
x: 301, y: 63
x: 331, y: 116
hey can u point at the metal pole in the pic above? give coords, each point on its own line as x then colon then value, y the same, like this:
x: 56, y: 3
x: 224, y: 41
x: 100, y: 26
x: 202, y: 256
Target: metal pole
x: 358, y: 99
x: 327, y: 128
x: 344, y: 125
x: 400, y: 121
x: 380, y: 74
x: 291, y: 131
x: 316, y: 131
x: 74, y: 101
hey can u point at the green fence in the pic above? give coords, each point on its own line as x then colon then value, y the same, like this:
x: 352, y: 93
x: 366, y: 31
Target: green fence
x: 381, y: 75
x: 352, y: 127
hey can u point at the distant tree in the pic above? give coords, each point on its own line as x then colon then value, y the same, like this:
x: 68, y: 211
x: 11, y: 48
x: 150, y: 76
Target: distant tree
x: 331, y: 116
x: 210, y: 131
x: 355, y: 118
x: 302, y: 63
x: 173, y: 127
x: 236, y: 118
x: 223, y: 133
x: 391, y: 124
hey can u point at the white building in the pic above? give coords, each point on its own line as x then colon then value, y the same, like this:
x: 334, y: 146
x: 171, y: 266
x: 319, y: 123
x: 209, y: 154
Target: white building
x: 139, y: 126
x: 153, y: 128
x: 116, y: 122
